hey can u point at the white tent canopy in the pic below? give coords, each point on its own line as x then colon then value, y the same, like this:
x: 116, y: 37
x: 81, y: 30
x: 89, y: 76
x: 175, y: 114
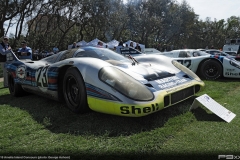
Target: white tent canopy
x: 81, y: 43
x: 113, y: 43
x: 95, y: 42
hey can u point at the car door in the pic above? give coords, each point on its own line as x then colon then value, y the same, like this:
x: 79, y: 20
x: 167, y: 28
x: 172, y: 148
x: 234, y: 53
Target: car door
x: 184, y: 58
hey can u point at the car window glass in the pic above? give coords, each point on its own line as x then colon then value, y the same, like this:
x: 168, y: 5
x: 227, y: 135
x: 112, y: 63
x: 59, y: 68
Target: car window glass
x: 214, y: 53
x: 183, y: 54
x: 102, y: 53
x: 107, y: 54
x: 202, y: 53
x: 88, y: 53
x: 68, y: 54
x: 51, y: 59
x: 195, y: 54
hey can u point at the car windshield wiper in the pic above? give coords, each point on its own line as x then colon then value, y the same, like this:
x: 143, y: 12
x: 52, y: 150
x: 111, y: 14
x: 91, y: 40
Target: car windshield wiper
x: 134, y: 61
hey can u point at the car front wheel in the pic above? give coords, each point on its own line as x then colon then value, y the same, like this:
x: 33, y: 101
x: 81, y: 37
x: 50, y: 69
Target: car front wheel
x: 74, y: 91
x: 14, y: 88
x: 211, y: 70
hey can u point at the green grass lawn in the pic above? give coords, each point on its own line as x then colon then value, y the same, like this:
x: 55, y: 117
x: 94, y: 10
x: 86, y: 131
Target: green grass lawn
x: 32, y: 125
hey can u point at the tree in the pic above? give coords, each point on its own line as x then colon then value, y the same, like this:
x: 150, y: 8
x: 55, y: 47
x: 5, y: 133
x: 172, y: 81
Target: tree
x: 11, y: 9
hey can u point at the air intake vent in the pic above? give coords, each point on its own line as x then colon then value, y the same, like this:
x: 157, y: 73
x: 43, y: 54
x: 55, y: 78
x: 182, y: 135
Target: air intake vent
x: 197, y: 88
x: 183, y: 94
x: 166, y: 101
x: 149, y: 85
x: 158, y: 75
x: 186, y: 76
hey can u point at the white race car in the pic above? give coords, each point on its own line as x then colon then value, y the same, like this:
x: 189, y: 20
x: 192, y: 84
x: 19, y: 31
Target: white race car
x: 207, y: 66
x: 101, y: 80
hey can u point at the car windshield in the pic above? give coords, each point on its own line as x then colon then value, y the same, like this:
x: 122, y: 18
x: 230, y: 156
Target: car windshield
x: 217, y: 52
x: 101, y: 53
x: 231, y: 53
x: 199, y: 53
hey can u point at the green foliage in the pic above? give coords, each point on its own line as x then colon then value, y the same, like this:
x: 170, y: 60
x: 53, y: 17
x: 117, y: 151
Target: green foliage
x: 32, y: 125
x: 151, y: 22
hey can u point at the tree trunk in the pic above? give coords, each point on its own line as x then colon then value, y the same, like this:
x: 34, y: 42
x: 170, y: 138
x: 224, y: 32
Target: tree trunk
x: 1, y: 29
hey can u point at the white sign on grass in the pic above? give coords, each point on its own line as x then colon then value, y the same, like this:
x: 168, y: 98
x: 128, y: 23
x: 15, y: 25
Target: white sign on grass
x: 213, y: 106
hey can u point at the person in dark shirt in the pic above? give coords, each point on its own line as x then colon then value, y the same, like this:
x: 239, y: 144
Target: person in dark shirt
x: 138, y: 47
x: 4, y: 49
x: 131, y: 44
x: 74, y: 45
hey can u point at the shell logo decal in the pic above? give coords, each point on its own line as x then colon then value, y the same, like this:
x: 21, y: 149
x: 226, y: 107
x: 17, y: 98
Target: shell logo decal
x: 21, y: 72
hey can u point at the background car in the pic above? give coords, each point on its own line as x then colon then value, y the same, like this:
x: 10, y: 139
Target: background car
x: 184, y: 53
x: 206, y: 66
x: 104, y: 81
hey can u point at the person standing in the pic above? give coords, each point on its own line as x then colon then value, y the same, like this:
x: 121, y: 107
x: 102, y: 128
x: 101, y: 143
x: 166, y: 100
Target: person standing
x: 99, y: 44
x: 74, y: 45
x: 55, y: 50
x: 131, y: 44
x: 138, y: 47
x: 4, y: 49
x: 120, y: 45
x: 25, y: 52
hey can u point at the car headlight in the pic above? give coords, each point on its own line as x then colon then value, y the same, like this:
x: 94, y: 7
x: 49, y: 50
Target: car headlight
x: 186, y: 70
x: 125, y: 84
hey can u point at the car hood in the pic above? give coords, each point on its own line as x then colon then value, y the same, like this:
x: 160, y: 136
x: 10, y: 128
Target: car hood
x: 143, y: 71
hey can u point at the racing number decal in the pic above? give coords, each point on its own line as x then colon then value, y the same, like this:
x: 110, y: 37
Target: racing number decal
x: 186, y: 63
x: 41, y: 77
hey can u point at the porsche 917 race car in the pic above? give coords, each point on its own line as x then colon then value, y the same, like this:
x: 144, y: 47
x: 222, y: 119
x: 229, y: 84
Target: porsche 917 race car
x: 101, y: 80
x: 207, y: 66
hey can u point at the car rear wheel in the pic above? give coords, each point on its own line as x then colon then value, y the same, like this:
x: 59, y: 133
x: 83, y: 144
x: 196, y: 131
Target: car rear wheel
x: 74, y: 91
x: 14, y: 88
x: 211, y: 70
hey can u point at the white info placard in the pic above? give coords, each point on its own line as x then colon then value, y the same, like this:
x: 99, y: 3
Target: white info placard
x: 213, y: 106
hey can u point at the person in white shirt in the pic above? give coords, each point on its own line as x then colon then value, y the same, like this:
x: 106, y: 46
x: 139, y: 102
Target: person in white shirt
x: 120, y: 45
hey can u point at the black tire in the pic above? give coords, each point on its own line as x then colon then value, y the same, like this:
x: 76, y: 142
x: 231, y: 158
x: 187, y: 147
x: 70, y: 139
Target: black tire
x: 74, y: 91
x: 14, y: 88
x: 211, y: 70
